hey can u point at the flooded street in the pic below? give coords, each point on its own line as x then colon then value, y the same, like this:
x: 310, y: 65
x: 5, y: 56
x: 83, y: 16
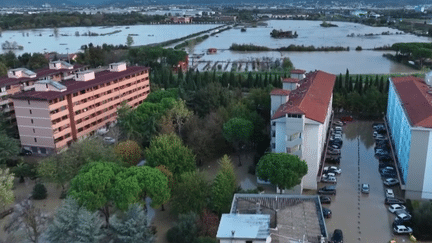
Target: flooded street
x: 361, y: 217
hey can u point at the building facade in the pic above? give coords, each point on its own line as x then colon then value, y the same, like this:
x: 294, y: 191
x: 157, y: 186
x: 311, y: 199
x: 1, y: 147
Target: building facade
x: 300, y: 118
x: 409, y: 118
x: 57, y: 113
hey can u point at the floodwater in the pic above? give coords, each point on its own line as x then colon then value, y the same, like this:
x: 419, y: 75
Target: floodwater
x: 41, y: 40
x: 311, y: 33
x: 361, y: 217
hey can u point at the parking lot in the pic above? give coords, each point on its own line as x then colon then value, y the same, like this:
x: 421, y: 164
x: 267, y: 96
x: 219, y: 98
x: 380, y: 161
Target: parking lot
x: 361, y: 217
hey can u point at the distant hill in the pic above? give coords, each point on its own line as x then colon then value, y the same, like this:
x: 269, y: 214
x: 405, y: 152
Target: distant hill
x: 39, y: 3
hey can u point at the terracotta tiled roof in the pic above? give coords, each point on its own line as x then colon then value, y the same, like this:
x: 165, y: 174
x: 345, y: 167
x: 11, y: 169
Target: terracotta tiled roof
x: 298, y: 71
x: 416, y: 99
x: 76, y: 86
x: 290, y: 80
x: 5, y: 80
x: 280, y: 92
x: 311, y: 98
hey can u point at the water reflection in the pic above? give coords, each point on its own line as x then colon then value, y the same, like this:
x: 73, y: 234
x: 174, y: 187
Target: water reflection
x: 361, y: 129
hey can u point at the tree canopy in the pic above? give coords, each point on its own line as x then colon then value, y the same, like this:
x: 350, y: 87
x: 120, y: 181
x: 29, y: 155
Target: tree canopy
x: 168, y: 150
x: 281, y: 169
x: 224, y: 186
x: 190, y: 193
x: 238, y: 130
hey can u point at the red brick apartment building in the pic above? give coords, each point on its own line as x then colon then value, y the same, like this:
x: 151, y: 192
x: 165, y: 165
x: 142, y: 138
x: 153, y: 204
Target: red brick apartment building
x: 21, y: 79
x: 57, y: 113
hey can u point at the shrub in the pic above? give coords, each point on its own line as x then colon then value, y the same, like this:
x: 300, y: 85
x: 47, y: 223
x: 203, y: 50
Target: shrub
x: 129, y: 151
x: 39, y: 192
x: 359, y: 48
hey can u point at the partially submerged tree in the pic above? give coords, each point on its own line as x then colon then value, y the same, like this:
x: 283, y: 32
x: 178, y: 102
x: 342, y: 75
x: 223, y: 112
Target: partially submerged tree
x: 281, y: 169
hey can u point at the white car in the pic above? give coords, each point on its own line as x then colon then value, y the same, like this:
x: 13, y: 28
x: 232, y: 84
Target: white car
x: 333, y: 169
x: 403, y: 215
x: 338, y: 123
x: 395, y: 207
x: 328, y: 174
x: 389, y: 193
x: 329, y: 179
x: 109, y: 140
x: 391, y: 182
x: 401, y: 229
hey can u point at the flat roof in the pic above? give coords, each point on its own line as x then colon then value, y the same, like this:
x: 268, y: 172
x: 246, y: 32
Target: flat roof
x: 416, y: 99
x: 291, y: 216
x: 76, y: 86
x: 244, y: 226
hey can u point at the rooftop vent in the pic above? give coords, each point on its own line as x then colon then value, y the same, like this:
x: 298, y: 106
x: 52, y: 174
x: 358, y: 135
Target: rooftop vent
x: 21, y: 73
x: 49, y: 85
x: 60, y: 65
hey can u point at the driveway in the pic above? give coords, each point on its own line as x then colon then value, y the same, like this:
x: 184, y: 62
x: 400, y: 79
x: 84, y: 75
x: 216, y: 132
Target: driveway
x: 361, y: 217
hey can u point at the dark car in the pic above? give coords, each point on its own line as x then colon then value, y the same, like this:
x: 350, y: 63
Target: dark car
x: 337, y: 236
x: 334, y: 160
x: 327, y: 190
x: 327, y: 213
x: 388, y: 175
x: 325, y: 200
x: 384, y: 165
x: 389, y: 201
x: 399, y: 221
x: 26, y: 152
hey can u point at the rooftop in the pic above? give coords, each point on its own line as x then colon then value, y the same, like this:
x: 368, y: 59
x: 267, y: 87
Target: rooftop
x: 311, y: 98
x: 280, y: 92
x: 416, y: 98
x: 244, y: 226
x: 298, y: 71
x: 5, y: 80
x: 290, y: 80
x: 291, y: 216
x: 76, y: 86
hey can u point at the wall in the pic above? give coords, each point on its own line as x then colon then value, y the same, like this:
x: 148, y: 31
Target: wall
x: 419, y: 146
x: 311, y: 152
x: 241, y: 241
x: 280, y: 135
x: 400, y: 129
x: 427, y: 181
x: 276, y: 101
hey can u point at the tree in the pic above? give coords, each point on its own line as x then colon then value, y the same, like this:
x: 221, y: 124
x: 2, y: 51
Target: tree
x: 190, y: 193
x: 6, y: 184
x: 224, y: 186
x: 179, y: 114
x: 238, y: 131
x: 129, y: 40
x: 168, y: 150
x: 3, y: 69
x: 422, y: 219
x: 185, y: 230
x: 39, y: 192
x: 92, y: 187
x: 131, y: 227
x: 129, y: 151
x: 74, y: 223
x: 281, y: 169
x: 136, y: 183
x: 37, y: 61
x: 208, y: 224
x: 8, y: 147
x: 28, y: 219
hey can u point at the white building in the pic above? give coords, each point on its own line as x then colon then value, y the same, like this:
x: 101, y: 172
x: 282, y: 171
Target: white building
x: 300, y: 116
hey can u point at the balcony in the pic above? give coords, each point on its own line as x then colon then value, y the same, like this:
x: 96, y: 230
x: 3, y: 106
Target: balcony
x: 294, y: 149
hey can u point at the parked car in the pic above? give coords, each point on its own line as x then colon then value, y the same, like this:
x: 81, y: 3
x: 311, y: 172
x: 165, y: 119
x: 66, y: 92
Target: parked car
x: 389, y: 201
x: 389, y: 175
x: 329, y: 179
x: 327, y: 213
x: 403, y: 215
x: 333, y: 169
x: 401, y: 229
x: 384, y: 166
x: 395, y: 207
x: 389, y: 193
x: 327, y: 174
x: 109, y: 140
x: 365, y: 188
x: 338, y: 123
x: 384, y: 157
x: 388, y: 172
x: 335, y: 146
x: 401, y: 222
x: 333, y: 160
x: 391, y: 182
x: 333, y: 152
x: 25, y: 152
x: 337, y: 236
x: 325, y: 200
x: 327, y: 190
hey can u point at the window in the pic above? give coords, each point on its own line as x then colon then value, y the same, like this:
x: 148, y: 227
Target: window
x: 46, y: 85
x: 34, y: 131
x: 28, y: 101
x: 31, y: 121
x: 30, y: 112
x: 248, y: 241
x: 273, y: 134
x: 35, y: 139
x: 273, y: 145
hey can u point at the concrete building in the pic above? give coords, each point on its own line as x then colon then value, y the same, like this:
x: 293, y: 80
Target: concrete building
x: 409, y: 119
x: 300, y: 116
x: 21, y: 79
x: 264, y: 218
x: 55, y: 114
